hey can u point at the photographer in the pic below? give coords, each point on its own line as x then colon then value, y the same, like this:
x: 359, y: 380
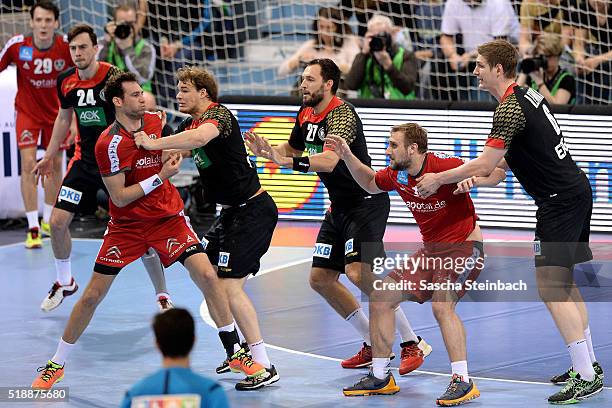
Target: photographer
x: 383, y: 69
x: 123, y: 48
x: 542, y: 72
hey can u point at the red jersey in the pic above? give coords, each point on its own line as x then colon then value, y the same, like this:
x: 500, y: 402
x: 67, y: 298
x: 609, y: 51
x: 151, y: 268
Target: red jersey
x: 441, y: 217
x: 116, y: 152
x: 37, y: 72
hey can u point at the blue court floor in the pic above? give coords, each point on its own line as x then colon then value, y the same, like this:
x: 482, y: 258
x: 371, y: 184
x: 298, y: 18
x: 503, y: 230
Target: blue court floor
x: 513, y: 347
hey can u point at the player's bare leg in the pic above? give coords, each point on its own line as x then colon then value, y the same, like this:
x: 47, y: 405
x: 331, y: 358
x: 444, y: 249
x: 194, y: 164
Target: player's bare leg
x: 325, y: 283
x: 382, y: 331
x: 155, y: 269
x: 81, y: 315
x: 30, y: 197
x: 51, y: 188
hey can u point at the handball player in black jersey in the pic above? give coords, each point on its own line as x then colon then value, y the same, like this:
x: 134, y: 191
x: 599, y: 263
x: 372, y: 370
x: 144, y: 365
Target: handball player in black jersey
x: 355, y: 217
x: 527, y: 139
x: 242, y: 233
x: 80, y: 91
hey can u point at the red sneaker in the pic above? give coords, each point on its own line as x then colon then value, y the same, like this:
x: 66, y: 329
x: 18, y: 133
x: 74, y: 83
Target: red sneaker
x: 363, y: 358
x: 413, y: 355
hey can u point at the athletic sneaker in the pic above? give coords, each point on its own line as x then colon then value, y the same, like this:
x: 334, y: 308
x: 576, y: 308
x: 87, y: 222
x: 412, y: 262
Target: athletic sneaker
x: 362, y: 359
x: 458, y: 392
x: 370, y: 385
x: 413, y: 355
x: 269, y: 376
x: 164, y: 303
x: 33, y: 239
x: 57, y: 294
x: 224, y: 366
x: 241, y: 362
x: 562, y: 378
x: 576, y: 389
x: 49, y: 375
x: 45, y: 229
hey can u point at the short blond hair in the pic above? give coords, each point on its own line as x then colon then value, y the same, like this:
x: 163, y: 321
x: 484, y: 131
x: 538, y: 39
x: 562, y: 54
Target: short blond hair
x: 413, y: 133
x: 200, y: 78
x: 550, y: 44
x: 500, y: 52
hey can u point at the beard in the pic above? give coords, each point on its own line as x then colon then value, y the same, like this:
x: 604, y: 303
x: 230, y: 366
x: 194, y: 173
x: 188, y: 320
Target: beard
x: 315, y: 98
x: 400, y: 165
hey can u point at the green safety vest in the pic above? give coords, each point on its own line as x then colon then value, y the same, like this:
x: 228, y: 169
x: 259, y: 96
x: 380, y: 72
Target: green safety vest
x: 555, y: 87
x: 373, y: 76
x: 115, y: 58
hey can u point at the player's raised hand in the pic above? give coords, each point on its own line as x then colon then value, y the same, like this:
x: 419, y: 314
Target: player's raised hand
x: 464, y: 186
x: 163, y: 116
x: 338, y: 145
x: 143, y: 141
x: 428, y: 184
x: 43, y: 169
x: 251, y: 140
x: 171, y: 166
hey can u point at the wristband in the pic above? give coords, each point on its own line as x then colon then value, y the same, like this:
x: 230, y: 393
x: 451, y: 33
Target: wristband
x: 151, y: 183
x: 301, y: 164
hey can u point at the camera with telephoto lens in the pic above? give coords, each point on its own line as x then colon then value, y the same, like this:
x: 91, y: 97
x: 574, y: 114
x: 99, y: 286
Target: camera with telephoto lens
x: 380, y: 41
x: 123, y: 30
x: 533, y: 64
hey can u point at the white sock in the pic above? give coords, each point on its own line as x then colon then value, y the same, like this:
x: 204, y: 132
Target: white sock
x: 460, y: 368
x: 47, y: 208
x: 259, y: 353
x: 587, y: 336
x: 62, y: 352
x: 403, y: 326
x: 581, y: 361
x: 162, y: 294
x: 381, y: 367
x: 32, y: 219
x: 361, y: 323
x: 63, y: 271
x: 240, y: 335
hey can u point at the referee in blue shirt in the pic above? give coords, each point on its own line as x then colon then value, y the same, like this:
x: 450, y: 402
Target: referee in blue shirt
x: 175, y: 335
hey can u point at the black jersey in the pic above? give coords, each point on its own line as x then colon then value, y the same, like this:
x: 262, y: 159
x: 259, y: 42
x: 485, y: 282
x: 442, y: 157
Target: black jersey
x: 93, y: 113
x: 340, y: 119
x: 536, y: 152
x: 228, y: 176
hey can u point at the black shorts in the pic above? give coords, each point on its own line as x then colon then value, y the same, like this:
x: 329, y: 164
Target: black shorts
x: 344, y: 232
x: 562, y: 231
x: 240, y: 236
x: 79, y: 189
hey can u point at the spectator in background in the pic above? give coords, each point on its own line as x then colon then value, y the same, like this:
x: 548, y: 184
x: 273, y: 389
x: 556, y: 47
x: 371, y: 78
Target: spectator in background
x: 400, y: 12
x: 332, y: 38
x: 592, y: 22
x: 140, y: 6
x: 174, y: 337
x: 542, y: 16
x: 543, y: 73
x: 476, y: 22
x: 123, y: 47
x: 383, y: 69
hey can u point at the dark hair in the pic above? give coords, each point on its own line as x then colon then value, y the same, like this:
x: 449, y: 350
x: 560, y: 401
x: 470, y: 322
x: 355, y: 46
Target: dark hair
x: 200, y: 78
x: 500, y: 52
x: 114, y: 85
x: 329, y: 71
x: 413, y: 133
x: 80, y: 29
x: 47, y: 5
x: 175, y: 332
x: 342, y: 28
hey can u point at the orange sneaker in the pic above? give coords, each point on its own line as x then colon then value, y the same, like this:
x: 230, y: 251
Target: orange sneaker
x: 241, y: 362
x: 49, y: 375
x: 363, y: 358
x: 413, y: 355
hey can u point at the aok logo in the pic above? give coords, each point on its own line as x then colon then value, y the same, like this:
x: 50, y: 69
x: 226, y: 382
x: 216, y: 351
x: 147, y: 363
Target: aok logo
x: 91, y: 117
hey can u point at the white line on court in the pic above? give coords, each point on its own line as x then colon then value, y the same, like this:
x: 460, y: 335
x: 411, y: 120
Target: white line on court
x: 205, y: 315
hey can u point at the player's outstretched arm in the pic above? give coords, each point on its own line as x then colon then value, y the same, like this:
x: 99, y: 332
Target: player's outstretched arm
x: 481, y: 166
x: 60, y: 129
x: 491, y: 180
x: 123, y: 195
x: 364, y: 175
x: 187, y: 140
x: 282, y: 154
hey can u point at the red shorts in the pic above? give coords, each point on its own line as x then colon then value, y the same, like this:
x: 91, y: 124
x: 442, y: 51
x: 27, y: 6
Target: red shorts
x: 444, y: 266
x: 125, y: 241
x: 30, y: 133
